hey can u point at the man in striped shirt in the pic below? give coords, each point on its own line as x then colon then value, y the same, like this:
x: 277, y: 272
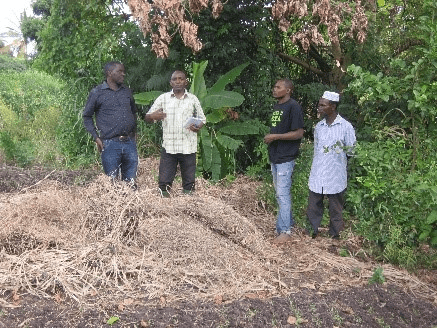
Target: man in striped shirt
x: 179, y: 144
x: 334, y: 139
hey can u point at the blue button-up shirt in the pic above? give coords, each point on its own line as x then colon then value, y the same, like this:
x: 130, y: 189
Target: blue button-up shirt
x: 331, y: 145
x: 115, y: 112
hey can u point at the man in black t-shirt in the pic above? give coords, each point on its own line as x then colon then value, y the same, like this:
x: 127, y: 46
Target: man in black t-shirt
x: 283, y: 143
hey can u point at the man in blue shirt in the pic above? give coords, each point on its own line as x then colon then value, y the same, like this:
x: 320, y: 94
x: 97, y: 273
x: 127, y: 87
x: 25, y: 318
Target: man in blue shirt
x: 114, y: 109
x: 283, y: 144
x: 334, y: 139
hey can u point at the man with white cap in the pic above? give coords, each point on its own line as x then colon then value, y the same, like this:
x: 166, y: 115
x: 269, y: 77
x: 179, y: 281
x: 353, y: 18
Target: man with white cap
x: 334, y: 139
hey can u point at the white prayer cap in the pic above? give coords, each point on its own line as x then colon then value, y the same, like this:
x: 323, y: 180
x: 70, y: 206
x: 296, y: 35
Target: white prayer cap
x: 333, y: 96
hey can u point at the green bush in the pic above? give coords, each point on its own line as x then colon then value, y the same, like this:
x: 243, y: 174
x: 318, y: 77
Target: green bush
x: 28, y: 92
x: 29, y: 108
x: 8, y: 63
x: 20, y: 151
x: 41, y: 120
x: 378, y: 276
x: 395, y: 205
x: 75, y: 143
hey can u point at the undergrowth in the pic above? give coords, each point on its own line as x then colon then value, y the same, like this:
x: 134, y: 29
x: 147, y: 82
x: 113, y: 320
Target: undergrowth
x: 384, y: 202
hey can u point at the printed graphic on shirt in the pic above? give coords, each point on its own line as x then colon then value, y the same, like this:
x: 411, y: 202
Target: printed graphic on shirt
x: 276, y: 117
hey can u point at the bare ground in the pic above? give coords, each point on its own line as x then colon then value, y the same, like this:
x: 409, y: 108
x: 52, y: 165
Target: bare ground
x: 198, y: 267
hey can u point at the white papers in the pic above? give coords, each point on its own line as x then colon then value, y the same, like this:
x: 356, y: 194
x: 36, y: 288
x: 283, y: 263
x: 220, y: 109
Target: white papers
x: 193, y: 120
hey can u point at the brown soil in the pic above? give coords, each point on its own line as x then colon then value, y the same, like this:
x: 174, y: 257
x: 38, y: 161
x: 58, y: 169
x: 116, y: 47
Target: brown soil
x: 313, y: 287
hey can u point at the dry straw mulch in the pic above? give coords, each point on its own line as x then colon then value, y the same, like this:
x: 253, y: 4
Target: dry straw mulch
x: 110, y: 243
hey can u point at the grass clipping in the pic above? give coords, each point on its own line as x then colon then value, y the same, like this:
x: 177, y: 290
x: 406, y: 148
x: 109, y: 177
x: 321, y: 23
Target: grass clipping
x: 80, y: 242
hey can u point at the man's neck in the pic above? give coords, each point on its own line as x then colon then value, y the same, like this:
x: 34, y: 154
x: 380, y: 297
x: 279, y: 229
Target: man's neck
x: 284, y: 99
x: 330, y: 119
x: 179, y: 93
x: 112, y: 85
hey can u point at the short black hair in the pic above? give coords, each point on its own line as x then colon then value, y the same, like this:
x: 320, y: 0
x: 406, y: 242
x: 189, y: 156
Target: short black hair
x: 288, y: 83
x: 179, y: 70
x: 109, y: 66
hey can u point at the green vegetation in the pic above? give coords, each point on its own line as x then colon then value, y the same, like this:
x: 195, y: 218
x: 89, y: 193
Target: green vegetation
x: 34, y: 108
x: 378, y: 276
x: 223, y: 133
x: 389, y: 93
x: 393, y: 187
x: 112, y: 320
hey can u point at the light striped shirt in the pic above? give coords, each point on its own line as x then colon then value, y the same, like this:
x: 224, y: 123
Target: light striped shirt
x: 176, y: 138
x: 331, y: 144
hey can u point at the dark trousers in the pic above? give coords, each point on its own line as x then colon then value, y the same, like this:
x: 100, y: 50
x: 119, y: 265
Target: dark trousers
x: 168, y: 166
x: 315, y: 211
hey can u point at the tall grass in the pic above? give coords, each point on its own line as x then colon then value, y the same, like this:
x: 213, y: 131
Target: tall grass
x: 40, y: 120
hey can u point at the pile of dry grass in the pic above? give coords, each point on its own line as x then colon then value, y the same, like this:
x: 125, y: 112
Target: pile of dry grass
x: 115, y: 243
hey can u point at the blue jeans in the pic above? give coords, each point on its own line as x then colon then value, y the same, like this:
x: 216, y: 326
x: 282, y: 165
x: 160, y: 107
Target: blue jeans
x: 282, y: 174
x: 120, y: 158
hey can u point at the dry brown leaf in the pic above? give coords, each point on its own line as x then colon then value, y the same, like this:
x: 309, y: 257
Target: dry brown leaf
x: 58, y: 298
x: 218, y: 299
x: 144, y: 324
x: 128, y: 301
x: 291, y: 320
x: 348, y: 310
x: 263, y: 294
x: 16, y: 297
x: 308, y: 285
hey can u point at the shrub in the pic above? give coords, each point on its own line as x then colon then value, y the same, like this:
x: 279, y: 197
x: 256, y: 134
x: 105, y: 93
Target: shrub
x: 8, y: 63
x: 41, y: 120
x: 378, y: 276
x: 395, y: 205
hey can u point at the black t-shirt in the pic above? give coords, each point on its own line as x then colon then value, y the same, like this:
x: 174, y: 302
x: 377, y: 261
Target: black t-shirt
x: 286, y: 117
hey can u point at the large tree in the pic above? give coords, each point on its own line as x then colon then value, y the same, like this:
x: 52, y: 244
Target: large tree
x: 31, y: 26
x: 317, y: 27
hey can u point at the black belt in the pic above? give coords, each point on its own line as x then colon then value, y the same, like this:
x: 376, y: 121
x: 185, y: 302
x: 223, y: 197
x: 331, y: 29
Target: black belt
x: 123, y: 138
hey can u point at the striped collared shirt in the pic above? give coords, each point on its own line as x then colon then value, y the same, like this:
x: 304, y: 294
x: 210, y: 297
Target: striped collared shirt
x: 331, y: 145
x: 176, y: 138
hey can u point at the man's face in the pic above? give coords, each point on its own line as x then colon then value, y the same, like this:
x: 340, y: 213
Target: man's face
x: 178, y: 81
x: 280, y: 90
x: 117, y: 74
x: 325, y: 108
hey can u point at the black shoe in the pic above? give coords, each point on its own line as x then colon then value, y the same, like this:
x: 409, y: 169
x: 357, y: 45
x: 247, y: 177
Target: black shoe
x: 311, y: 233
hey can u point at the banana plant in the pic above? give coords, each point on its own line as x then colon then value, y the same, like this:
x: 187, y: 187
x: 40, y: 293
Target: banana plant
x: 224, y: 133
